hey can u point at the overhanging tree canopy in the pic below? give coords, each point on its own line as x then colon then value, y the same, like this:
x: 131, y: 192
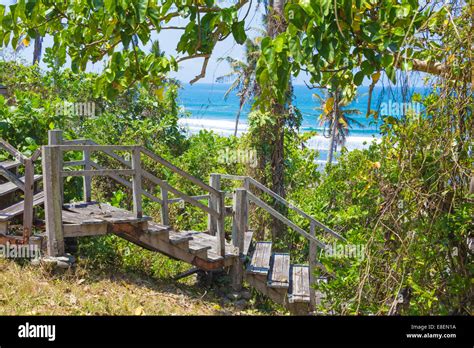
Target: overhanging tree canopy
x: 91, y: 30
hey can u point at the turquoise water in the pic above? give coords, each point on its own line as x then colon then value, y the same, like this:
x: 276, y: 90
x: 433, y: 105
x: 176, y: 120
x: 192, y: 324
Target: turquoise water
x: 208, y: 109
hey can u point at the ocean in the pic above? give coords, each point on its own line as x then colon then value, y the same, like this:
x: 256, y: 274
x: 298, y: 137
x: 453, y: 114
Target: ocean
x: 207, y: 109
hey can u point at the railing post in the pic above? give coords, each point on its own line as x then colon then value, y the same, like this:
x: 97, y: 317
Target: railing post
x: 87, y: 179
x: 55, y: 137
x: 28, y: 200
x: 52, y: 167
x: 137, y: 182
x: 246, y: 184
x: 313, y: 249
x: 165, y: 218
x: 240, y: 225
x: 214, y: 182
x: 220, y: 235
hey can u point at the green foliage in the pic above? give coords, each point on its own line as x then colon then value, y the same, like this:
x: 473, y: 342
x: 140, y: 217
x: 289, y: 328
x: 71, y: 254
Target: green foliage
x: 117, y: 32
x: 406, y: 201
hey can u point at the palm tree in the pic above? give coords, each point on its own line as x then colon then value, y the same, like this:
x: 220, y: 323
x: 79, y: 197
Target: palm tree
x: 243, y: 76
x: 335, y: 117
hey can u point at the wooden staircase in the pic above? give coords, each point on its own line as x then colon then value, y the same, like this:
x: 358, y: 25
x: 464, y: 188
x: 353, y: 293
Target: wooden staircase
x: 196, y: 248
x: 273, y: 275
x: 270, y: 273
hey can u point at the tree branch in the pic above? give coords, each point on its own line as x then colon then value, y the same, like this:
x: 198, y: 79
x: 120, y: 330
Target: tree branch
x: 203, y: 70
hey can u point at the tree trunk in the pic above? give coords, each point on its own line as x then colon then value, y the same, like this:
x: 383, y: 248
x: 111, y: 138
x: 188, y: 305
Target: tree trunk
x: 37, y: 49
x: 335, y: 121
x: 275, y: 26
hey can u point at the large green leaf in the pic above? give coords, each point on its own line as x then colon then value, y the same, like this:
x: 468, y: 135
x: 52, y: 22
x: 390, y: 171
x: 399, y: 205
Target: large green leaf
x: 238, y: 32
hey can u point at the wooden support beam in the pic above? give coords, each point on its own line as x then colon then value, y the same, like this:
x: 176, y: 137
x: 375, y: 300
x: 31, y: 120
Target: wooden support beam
x: 215, y: 183
x: 165, y: 214
x: 55, y: 137
x: 53, y: 199
x: 313, y: 250
x: 137, y: 182
x: 28, y: 199
x: 87, y: 181
x: 240, y: 223
x: 220, y: 233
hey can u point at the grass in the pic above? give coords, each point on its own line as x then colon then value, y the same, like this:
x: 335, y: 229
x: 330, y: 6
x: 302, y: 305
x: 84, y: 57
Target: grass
x: 86, y: 290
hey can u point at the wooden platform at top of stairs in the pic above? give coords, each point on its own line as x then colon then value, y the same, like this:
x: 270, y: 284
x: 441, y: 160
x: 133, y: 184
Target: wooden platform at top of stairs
x: 196, y: 248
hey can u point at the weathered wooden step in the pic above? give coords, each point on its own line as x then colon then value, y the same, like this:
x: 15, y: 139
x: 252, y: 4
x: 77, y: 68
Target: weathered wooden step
x: 178, y: 239
x: 279, y: 276
x: 17, y: 209
x: 9, y: 164
x: 212, y: 256
x: 299, y: 284
x: 260, y: 263
x: 10, y: 187
x: 159, y: 230
x: 197, y: 245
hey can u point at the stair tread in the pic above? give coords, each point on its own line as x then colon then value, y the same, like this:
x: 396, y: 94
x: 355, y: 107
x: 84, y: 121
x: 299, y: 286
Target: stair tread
x: 178, y: 238
x: 196, y: 244
x: 260, y: 263
x: 279, y: 276
x: 17, y: 208
x: 299, y: 284
x: 158, y: 228
x: 230, y: 250
x: 9, y: 164
x: 10, y: 187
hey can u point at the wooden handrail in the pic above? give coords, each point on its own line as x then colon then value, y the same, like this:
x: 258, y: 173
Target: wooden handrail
x: 182, y: 195
x: 179, y: 171
x: 283, y: 219
x: 125, y: 182
x: 12, y: 151
x: 283, y: 201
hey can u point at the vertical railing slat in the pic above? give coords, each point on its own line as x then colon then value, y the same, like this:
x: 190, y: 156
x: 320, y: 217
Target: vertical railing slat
x: 165, y: 218
x: 28, y: 199
x: 313, y: 248
x: 220, y: 232
x: 87, y: 179
x: 240, y: 226
x: 137, y: 182
x: 214, y: 182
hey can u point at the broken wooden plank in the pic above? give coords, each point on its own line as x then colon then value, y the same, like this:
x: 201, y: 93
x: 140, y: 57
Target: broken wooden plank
x: 279, y: 276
